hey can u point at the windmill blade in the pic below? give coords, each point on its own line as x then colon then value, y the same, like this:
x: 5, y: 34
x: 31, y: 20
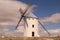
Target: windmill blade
x: 25, y: 21
x: 23, y: 13
x: 43, y: 27
x: 19, y: 22
x: 27, y: 8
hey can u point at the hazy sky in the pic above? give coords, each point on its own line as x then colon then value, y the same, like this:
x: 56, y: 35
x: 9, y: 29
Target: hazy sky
x: 47, y: 10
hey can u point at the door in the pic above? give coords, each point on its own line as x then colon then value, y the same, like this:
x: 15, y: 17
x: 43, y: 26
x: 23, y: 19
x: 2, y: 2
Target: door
x: 33, y: 34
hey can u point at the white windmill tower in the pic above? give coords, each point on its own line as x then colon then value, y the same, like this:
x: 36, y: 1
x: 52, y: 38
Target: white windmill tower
x: 31, y: 27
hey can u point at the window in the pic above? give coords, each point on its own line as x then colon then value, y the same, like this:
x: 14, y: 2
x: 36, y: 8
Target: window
x: 33, y: 34
x: 32, y: 26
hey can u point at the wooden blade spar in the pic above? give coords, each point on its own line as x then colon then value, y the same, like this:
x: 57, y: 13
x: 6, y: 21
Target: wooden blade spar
x: 23, y: 13
x: 44, y: 27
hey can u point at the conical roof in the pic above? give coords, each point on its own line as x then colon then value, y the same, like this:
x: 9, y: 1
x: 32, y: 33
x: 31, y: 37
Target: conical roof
x: 31, y: 15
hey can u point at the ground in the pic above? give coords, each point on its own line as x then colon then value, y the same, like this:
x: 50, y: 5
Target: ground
x: 30, y: 38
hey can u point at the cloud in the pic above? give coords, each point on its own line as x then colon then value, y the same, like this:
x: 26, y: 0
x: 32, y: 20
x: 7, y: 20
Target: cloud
x: 53, y: 32
x: 55, y: 18
x: 13, y: 33
x: 9, y: 12
x: 9, y: 17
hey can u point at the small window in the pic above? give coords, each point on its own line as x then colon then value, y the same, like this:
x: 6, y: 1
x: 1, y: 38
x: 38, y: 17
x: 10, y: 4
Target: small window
x: 33, y: 34
x: 32, y: 26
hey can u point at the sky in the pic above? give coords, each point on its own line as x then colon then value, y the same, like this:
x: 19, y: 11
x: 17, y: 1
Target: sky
x: 45, y: 7
x: 48, y: 11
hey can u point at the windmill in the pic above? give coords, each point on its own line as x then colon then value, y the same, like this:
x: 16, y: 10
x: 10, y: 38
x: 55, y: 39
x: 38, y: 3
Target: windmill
x: 31, y: 27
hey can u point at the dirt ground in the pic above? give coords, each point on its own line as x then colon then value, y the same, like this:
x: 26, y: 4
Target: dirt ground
x: 30, y: 38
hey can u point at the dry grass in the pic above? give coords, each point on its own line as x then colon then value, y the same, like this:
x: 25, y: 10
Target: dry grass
x: 30, y: 38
